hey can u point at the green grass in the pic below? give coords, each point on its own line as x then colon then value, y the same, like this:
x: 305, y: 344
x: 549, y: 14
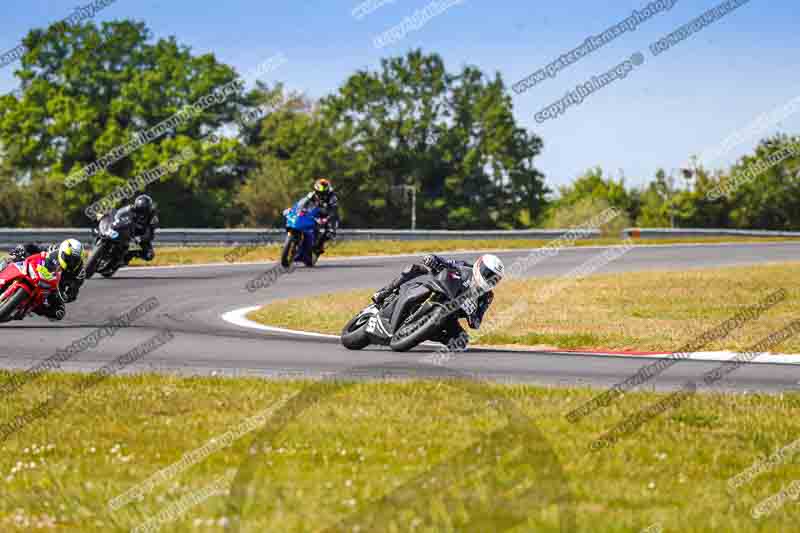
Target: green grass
x: 359, y: 443
x: 200, y: 255
x: 647, y: 311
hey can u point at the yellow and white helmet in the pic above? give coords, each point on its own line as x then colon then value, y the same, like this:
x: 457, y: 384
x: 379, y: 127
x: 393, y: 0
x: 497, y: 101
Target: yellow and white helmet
x: 70, y: 255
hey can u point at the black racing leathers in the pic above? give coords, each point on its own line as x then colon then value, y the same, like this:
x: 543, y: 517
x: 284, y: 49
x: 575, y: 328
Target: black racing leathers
x: 143, y: 229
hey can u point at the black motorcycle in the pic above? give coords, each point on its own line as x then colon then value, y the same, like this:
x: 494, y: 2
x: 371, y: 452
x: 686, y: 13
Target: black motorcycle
x: 416, y: 312
x: 112, y: 242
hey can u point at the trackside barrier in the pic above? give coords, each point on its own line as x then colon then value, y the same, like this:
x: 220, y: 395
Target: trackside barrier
x: 233, y: 237
x: 675, y: 233
x: 10, y: 237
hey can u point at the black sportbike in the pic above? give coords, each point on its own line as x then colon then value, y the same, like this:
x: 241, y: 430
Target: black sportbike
x: 112, y: 242
x: 416, y: 312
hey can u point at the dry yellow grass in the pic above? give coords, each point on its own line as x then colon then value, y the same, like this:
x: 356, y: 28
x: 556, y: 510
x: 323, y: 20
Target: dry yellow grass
x: 166, y: 256
x: 658, y: 311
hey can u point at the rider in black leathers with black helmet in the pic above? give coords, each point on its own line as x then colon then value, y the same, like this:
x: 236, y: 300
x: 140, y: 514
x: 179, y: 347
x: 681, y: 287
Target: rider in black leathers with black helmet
x: 144, y: 221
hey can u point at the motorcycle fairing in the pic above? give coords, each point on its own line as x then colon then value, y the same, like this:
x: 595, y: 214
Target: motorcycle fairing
x: 302, y: 223
x: 411, y: 294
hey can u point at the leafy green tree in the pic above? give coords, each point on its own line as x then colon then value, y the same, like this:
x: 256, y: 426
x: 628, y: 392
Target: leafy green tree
x: 592, y: 189
x: 655, y: 209
x: 294, y: 142
x: 268, y: 190
x: 88, y: 90
x: 583, y: 211
x: 771, y: 199
x: 451, y: 136
x: 13, y: 206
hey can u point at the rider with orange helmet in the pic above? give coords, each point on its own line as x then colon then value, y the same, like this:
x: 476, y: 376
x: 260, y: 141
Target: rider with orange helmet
x: 325, y: 199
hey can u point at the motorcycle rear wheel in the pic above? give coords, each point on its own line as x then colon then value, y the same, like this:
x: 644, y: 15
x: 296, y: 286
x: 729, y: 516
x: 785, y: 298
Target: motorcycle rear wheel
x: 413, y: 333
x: 10, y: 305
x: 354, y: 334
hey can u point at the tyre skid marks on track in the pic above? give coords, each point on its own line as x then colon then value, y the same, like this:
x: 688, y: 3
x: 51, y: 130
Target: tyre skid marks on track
x: 238, y: 318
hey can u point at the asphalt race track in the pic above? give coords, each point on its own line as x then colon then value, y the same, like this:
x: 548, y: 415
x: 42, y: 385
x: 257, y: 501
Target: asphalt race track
x: 192, y: 300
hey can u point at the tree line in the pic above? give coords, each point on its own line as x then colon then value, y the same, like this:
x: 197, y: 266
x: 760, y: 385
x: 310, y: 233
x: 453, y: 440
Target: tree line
x: 87, y: 90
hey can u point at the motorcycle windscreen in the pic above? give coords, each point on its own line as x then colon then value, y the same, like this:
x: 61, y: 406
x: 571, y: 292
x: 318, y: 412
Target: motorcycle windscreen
x: 11, y: 271
x: 453, y: 282
x: 304, y: 223
x: 105, y: 224
x: 411, y: 295
x: 123, y: 228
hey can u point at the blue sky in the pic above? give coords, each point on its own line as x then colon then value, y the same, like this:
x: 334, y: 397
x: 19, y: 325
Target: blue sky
x: 682, y: 102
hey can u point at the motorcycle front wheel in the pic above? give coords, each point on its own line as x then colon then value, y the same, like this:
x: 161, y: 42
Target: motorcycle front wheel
x: 354, y: 334
x: 10, y: 305
x: 94, y: 259
x: 289, y: 250
x: 417, y: 331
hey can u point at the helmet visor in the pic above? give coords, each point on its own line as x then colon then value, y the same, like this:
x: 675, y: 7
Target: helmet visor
x: 489, y: 275
x: 69, y: 262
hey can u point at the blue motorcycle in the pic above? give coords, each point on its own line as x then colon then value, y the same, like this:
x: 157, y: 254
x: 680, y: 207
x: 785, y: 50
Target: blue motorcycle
x: 301, y: 225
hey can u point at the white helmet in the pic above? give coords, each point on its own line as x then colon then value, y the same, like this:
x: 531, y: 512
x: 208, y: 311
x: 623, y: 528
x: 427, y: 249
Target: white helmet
x: 487, y: 271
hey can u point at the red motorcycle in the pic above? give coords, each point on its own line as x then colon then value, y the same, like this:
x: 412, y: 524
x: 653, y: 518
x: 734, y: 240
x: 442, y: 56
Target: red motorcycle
x: 24, y: 286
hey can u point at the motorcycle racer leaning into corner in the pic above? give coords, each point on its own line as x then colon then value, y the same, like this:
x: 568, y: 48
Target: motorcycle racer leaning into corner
x: 144, y: 222
x: 484, y: 275
x: 323, y: 198
x: 66, y: 258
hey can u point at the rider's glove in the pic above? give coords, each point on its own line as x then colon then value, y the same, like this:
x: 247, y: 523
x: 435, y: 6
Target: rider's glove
x: 18, y: 253
x: 379, y: 297
x: 431, y: 261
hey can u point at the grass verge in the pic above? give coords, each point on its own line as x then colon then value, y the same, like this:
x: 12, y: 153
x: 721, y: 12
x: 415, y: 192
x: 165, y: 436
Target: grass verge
x: 648, y: 311
x: 166, y: 256
x: 363, y: 442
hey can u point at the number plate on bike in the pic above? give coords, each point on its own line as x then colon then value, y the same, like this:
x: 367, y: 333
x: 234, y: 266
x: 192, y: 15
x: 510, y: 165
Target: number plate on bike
x: 469, y: 306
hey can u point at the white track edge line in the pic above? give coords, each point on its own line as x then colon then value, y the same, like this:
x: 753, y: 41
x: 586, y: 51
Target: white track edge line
x: 238, y: 317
